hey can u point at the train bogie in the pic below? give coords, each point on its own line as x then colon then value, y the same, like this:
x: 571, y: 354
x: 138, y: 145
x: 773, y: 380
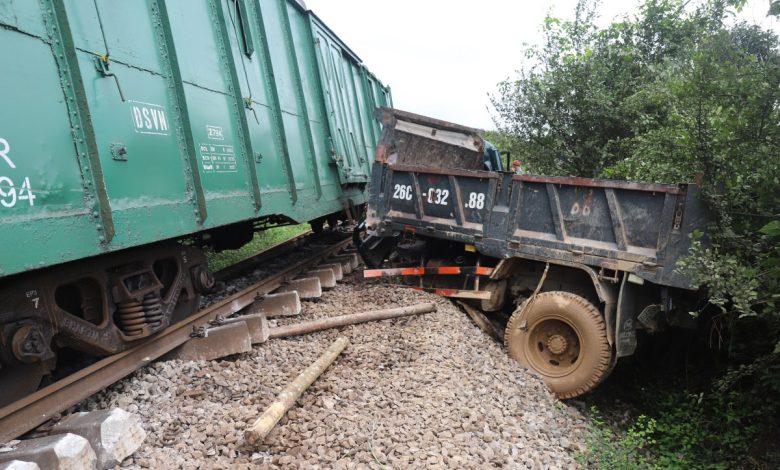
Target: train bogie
x: 95, y: 307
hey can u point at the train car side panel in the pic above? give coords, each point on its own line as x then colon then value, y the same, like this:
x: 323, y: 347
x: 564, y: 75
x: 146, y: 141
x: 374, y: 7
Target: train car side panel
x: 138, y: 122
x: 215, y: 111
x: 128, y: 98
x: 336, y: 63
x: 315, y: 104
x: 287, y: 82
x: 40, y: 177
x: 252, y: 54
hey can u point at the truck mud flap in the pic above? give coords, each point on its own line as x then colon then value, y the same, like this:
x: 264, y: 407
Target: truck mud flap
x: 625, y: 334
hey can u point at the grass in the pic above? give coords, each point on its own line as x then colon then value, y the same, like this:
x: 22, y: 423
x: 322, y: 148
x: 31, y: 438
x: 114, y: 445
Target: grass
x: 260, y: 242
x: 674, y: 405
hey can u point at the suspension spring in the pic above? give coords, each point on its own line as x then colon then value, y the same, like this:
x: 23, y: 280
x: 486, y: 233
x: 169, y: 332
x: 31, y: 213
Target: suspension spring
x: 141, y: 318
x: 153, y: 310
x: 131, y: 317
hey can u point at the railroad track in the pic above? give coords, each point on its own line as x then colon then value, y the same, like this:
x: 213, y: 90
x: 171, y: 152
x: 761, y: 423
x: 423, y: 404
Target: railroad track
x: 32, y: 411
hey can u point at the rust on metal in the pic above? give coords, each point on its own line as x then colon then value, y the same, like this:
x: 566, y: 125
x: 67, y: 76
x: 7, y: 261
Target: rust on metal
x: 595, y: 183
x: 96, y: 307
x: 406, y: 135
x: 642, y: 228
x: 445, y: 171
x: 381, y: 152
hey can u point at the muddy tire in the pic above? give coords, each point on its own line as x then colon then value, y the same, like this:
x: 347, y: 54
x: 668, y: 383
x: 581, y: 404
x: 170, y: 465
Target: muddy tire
x: 562, y: 338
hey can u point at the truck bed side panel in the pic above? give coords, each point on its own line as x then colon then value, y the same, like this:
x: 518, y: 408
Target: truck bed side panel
x: 610, y: 225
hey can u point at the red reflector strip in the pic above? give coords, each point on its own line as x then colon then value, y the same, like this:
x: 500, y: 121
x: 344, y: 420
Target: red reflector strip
x: 378, y: 272
x: 481, y: 271
x: 412, y: 271
x: 448, y: 270
x: 394, y: 272
x: 441, y: 270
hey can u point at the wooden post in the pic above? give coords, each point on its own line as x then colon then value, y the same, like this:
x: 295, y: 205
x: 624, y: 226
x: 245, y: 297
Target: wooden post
x: 481, y: 320
x: 285, y: 400
x: 342, y: 320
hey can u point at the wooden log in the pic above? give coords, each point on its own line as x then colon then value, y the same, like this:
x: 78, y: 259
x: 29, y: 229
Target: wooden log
x: 285, y: 400
x: 482, y: 321
x: 342, y: 320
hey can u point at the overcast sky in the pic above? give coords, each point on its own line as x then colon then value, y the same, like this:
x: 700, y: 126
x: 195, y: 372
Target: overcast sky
x: 442, y: 58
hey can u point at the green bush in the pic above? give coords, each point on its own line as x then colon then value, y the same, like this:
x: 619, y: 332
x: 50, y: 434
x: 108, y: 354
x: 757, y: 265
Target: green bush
x: 609, y: 449
x: 687, y: 431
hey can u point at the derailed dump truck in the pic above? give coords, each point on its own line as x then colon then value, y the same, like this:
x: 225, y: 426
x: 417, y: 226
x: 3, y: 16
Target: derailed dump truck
x: 573, y: 269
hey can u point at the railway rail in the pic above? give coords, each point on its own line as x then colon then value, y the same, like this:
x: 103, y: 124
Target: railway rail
x: 33, y: 410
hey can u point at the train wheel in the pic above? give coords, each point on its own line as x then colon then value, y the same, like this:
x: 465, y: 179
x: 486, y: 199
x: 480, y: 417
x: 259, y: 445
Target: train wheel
x: 563, y: 338
x: 19, y: 382
x: 317, y: 225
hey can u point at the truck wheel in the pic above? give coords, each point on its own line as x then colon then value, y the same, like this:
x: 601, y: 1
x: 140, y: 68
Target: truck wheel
x: 563, y: 338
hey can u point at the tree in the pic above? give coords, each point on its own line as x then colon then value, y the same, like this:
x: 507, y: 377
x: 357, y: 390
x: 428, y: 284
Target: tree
x: 774, y: 8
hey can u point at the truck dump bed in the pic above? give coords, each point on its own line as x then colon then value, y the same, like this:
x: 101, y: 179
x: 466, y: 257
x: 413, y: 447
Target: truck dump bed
x: 420, y: 140
x: 640, y: 228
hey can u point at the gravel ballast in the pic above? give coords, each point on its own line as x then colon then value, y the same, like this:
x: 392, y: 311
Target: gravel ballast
x: 429, y: 391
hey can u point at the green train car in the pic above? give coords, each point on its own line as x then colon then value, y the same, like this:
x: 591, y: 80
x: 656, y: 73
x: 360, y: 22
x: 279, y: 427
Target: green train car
x: 130, y: 126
